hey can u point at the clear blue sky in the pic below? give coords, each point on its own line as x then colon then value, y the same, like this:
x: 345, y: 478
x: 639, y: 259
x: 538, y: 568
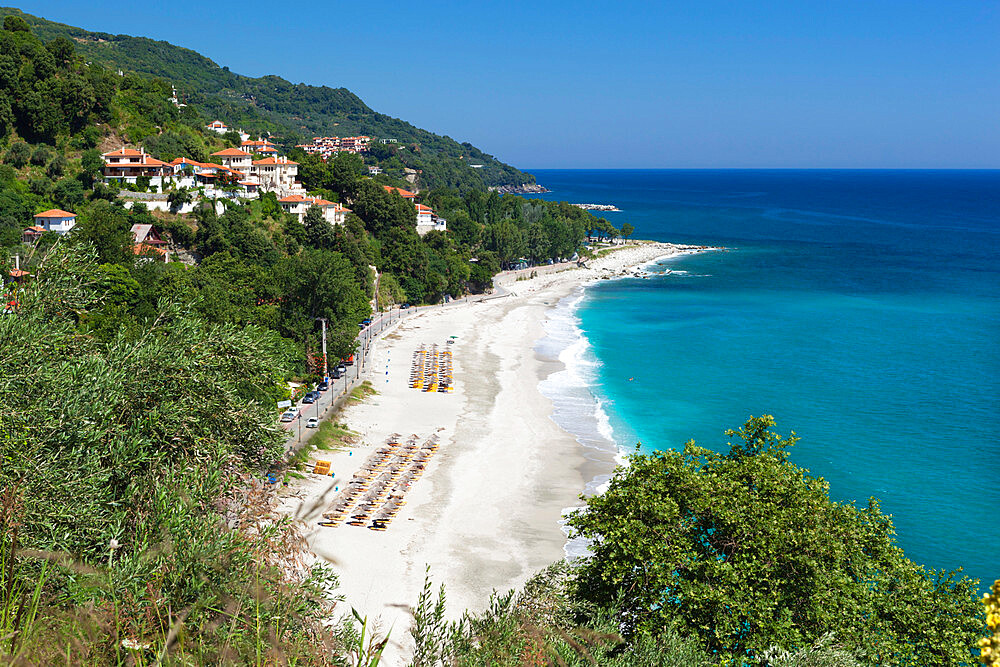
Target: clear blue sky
x: 703, y: 83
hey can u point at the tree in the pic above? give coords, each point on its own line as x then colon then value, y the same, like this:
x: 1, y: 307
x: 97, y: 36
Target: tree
x: 749, y: 552
x: 15, y: 24
x: 626, y: 230
x: 106, y: 226
x: 41, y: 155
x: 57, y: 167
x: 92, y: 163
x: 177, y: 198
x: 319, y: 233
x: 69, y: 193
x: 19, y: 152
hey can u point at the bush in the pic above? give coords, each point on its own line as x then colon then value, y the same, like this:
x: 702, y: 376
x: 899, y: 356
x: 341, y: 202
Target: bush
x: 41, y: 155
x: 57, y: 167
x: 18, y: 154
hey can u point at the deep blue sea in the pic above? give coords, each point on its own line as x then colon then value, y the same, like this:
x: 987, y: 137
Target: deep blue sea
x: 860, y: 308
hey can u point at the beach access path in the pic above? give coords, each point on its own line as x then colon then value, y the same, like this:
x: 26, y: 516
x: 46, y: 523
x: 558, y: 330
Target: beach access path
x: 485, y: 515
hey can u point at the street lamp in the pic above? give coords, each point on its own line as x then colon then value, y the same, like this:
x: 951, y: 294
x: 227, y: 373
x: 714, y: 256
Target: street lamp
x: 323, y: 322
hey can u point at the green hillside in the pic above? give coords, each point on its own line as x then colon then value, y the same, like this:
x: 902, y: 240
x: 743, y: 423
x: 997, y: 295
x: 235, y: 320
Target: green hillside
x: 290, y: 112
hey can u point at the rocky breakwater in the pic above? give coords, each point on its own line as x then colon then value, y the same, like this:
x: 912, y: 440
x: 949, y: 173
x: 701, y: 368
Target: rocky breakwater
x: 525, y: 189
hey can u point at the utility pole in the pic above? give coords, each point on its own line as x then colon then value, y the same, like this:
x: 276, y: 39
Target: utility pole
x: 323, y: 322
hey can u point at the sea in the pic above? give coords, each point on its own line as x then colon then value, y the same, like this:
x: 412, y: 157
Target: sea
x: 860, y: 308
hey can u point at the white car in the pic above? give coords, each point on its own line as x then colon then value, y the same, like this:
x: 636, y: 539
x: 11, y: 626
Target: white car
x: 294, y: 409
x: 288, y: 416
x: 312, y: 422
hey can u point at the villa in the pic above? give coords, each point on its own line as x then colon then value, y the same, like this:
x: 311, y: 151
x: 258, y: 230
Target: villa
x: 235, y: 159
x: 278, y: 174
x: 298, y: 205
x: 55, y: 220
x: 128, y: 164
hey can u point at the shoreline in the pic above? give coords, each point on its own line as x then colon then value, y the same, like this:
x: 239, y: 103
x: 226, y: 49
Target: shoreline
x: 487, y: 513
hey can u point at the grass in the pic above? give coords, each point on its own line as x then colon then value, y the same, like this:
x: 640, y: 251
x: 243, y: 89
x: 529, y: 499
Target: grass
x: 328, y: 437
x: 362, y: 392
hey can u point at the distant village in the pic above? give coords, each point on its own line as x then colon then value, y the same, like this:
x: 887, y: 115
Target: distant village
x: 234, y: 175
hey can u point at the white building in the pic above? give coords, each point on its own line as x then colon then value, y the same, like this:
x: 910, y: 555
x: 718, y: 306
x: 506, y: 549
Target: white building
x: 278, y: 174
x: 299, y: 205
x: 218, y: 126
x: 428, y: 220
x: 128, y: 164
x: 261, y: 146
x: 56, y: 220
x: 236, y: 160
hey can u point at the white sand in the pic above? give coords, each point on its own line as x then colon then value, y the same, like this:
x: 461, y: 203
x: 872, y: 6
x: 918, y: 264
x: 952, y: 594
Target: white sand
x: 485, y: 515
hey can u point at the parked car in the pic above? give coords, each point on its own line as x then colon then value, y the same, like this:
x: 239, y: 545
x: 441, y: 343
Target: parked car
x: 405, y: 306
x: 312, y: 422
x: 294, y: 409
x: 323, y: 386
x: 366, y: 321
x: 288, y: 416
x: 308, y: 398
x: 342, y: 368
x: 336, y: 374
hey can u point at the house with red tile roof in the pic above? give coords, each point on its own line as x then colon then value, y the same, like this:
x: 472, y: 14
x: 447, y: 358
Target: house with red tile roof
x: 32, y: 234
x: 218, y: 126
x: 333, y: 212
x: 428, y: 220
x: 278, y: 174
x: 128, y: 164
x: 55, y: 220
x: 261, y: 146
x: 405, y: 194
x: 147, y: 244
x: 236, y: 159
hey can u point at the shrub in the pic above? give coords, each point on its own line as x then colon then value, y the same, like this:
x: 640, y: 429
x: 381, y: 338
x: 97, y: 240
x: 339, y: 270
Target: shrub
x: 18, y: 154
x: 41, y: 155
x: 57, y: 167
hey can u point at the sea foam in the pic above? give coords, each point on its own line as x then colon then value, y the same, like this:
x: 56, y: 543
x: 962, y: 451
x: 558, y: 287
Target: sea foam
x: 576, y: 407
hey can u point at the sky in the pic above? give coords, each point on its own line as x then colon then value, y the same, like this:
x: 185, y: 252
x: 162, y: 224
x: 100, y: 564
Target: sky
x: 560, y: 84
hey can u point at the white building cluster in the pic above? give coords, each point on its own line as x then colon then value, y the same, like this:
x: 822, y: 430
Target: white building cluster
x: 236, y: 174
x: 327, y: 147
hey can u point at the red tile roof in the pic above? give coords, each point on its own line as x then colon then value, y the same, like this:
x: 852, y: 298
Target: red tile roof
x: 231, y: 152
x: 423, y: 209
x: 55, y: 213
x: 124, y: 152
x: 144, y: 248
x: 18, y: 273
x: 403, y: 193
x: 273, y: 161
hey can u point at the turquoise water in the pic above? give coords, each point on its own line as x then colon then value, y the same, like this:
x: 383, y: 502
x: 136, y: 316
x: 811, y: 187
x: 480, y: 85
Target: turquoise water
x: 860, y: 308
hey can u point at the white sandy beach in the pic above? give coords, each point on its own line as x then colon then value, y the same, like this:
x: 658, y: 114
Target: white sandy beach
x: 485, y: 516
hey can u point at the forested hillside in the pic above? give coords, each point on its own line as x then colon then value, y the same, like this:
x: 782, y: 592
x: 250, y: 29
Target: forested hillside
x: 291, y: 112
